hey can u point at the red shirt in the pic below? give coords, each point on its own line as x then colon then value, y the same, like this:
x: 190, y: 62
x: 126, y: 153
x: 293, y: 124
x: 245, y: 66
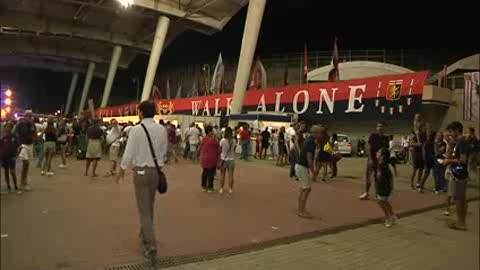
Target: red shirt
x: 209, y: 152
x: 244, y: 135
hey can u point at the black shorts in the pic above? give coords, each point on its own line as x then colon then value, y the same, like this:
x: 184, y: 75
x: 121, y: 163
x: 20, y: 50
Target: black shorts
x: 265, y: 145
x: 9, y: 164
x: 417, y: 161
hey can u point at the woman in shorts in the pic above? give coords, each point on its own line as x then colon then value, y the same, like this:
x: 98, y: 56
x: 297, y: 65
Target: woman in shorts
x: 384, y: 186
x: 227, y: 156
x: 50, y: 146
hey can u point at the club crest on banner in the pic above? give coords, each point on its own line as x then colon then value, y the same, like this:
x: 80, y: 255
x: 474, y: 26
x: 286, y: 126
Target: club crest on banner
x: 394, y: 90
x: 165, y: 107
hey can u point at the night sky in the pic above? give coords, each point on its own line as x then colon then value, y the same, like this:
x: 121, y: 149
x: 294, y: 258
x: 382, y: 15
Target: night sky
x: 287, y: 25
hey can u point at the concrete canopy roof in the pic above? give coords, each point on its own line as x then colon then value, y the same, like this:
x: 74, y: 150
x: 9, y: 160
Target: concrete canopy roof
x: 87, y: 30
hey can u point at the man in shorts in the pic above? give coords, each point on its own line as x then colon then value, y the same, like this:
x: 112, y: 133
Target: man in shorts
x: 457, y: 170
x: 26, y: 132
x: 305, y: 169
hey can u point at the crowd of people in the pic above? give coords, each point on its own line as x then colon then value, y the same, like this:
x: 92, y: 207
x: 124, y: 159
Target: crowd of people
x: 312, y: 154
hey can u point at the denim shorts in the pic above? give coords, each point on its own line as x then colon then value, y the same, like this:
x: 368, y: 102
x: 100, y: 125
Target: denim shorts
x: 229, y: 164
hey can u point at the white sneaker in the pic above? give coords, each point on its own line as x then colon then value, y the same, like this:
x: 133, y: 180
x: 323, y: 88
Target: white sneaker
x: 19, y: 192
x: 388, y: 223
x: 50, y: 174
x: 26, y: 188
x: 43, y: 172
x: 61, y: 166
x: 220, y: 191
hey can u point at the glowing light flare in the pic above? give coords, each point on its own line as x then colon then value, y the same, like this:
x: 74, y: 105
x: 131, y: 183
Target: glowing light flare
x: 8, y: 93
x: 3, y: 113
x: 8, y: 101
x: 8, y: 109
x: 125, y: 3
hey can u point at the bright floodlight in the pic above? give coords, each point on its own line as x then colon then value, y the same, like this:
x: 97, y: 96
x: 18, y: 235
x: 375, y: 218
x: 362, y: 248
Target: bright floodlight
x: 125, y: 3
x: 8, y: 101
x: 8, y: 93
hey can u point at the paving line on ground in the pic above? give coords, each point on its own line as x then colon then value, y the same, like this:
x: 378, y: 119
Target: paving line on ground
x: 173, y: 261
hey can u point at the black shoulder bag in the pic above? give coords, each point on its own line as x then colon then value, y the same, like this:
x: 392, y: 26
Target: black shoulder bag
x: 162, y: 179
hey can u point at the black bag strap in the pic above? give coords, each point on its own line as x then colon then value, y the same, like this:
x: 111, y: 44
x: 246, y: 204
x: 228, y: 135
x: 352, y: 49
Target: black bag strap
x: 151, y: 148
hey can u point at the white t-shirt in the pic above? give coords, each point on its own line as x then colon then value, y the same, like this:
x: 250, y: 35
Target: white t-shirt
x: 193, y: 136
x: 178, y: 132
x: 228, y: 149
x: 289, y: 136
x: 113, y: 136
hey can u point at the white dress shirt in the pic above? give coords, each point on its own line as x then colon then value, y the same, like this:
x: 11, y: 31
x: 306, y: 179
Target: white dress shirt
x: 137, y: 152
x: 193, y: 135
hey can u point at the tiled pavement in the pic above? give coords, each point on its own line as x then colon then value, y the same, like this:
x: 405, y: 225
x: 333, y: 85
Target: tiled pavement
x: 72, y: 222
x: 416, y: 242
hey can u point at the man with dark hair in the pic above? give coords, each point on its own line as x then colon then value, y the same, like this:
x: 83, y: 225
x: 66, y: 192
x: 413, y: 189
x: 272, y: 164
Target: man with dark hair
x: 138, y: 155
x: 305, y: 169
x: 376, y: 141
x: 26, y: 132
x: 457, y: 172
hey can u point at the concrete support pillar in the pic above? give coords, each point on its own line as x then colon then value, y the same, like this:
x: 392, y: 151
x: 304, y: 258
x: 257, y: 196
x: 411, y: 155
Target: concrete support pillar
x: 159, y: 40
x: 71, y: 91
x: 249, y: 43
x: 86, y: 86
x: 112, y: 70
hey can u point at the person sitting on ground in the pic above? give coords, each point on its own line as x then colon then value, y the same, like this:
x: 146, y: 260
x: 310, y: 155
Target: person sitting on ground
x: 384, y: 186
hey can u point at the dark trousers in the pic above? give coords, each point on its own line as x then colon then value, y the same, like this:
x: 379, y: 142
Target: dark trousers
x: 293, y: 160
x: 439, y: 176
x: 207, y: 178
x: 186, y: 151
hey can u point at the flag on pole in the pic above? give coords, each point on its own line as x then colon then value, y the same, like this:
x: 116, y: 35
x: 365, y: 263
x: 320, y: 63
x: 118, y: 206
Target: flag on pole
x: 334, y: 74
x: 305, y: 64
x: 179, y: 92
x: 218, y: 74
x: 471, y: 98
x: 445, y: 77
x: 259, y: 77
x: 168, y: 89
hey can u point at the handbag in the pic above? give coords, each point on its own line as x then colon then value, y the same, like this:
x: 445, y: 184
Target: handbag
x: 162, y: 179
x: 221, y: 161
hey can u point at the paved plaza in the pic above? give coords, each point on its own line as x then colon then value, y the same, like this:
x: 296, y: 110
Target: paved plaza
x: 74, y: 222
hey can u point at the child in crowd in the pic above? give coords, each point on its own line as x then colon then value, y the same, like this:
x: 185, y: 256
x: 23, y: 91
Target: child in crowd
x: 384, y: 186
x: 8, y: 154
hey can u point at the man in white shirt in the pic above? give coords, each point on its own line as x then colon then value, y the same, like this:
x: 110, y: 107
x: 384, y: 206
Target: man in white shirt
x: 138, y: 155
x: 194, y: 141
x: 113, y: 143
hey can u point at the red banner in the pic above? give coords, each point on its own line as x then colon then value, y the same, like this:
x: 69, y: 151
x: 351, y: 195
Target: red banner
x: 352, y: 96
